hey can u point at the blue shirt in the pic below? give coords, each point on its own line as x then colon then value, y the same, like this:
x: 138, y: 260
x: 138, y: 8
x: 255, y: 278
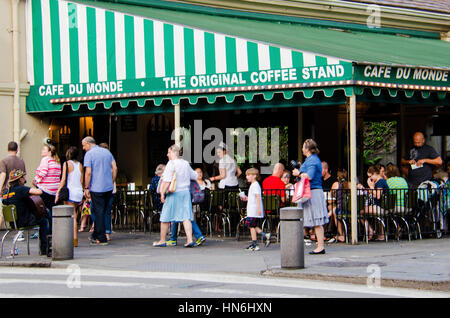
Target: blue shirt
x: 99, y: 160
x: 313, y: 168
x: 157, y: 204
x: 381, y: 184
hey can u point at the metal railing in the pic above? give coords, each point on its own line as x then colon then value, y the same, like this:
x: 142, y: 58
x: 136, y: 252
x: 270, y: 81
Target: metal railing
x: 389, y: 214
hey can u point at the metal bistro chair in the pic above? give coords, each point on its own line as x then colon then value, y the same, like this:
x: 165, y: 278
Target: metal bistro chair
x: 10, y: 217
x: 378, y: 216
x: 153, y: 213
x: 412, y: 217
x: 272, y: 213
x: 232, y: 209
x: 217, y: 199
x: 345, y: 214
x: 121, y: 208
x: 401, y: 212
x: 243, y: 217
x: 346, y: 217
x: 388, y: 203
x: 135, y: 209
x: 201, y: 212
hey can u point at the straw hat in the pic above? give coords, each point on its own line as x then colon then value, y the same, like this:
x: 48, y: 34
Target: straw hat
x: 15, y: 175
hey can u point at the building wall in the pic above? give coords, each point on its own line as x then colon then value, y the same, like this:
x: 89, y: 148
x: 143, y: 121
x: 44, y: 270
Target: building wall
x: 36, y: 127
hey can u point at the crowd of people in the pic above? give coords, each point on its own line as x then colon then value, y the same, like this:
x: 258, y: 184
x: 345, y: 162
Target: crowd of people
x: 92, y: 186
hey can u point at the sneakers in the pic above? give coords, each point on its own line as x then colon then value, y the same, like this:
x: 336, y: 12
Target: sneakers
x: 20, y: 236
x: 94, y: 241
x: 200, y: 240
x: 253, y: 248
x: 35, y: 235
x: 98, y: 243
x: 267, y: 239
x: 308, y: 242
x: 171, y: 243
x: 332, y: 240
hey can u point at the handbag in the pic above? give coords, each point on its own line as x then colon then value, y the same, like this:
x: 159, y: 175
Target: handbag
x: 173, y: 183
x: 64, y: 191
x: 172, y: 186
x: 302, y: 191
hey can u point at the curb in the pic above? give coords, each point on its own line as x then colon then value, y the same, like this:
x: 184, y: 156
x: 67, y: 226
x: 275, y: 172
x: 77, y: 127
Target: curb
x: 443, y: 286
x: 13, y: 263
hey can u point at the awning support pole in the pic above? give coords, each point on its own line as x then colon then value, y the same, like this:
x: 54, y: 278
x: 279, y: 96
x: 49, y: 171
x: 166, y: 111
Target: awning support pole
x: 15, y: 36
x: 177, y: 124
x: 351, y: 103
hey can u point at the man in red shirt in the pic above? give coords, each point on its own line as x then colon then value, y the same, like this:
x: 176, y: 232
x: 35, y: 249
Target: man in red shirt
x: 273, y: 185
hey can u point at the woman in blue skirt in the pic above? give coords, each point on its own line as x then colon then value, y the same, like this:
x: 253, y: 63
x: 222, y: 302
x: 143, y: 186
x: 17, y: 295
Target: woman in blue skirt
x: 315, y: 212
x: 177, y: 205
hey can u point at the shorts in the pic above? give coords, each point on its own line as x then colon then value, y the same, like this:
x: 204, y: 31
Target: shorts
x: 253, y: 222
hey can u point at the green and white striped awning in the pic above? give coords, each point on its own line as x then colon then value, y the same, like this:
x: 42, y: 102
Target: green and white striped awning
x: 78, y: 54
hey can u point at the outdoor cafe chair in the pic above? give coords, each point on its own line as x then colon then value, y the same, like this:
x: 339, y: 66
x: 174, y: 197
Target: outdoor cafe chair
x: 201, y: 211
x: 427, y: 211
x: 272, y: 203
x: 400, y: 212
x: 216, y: 210
x: 345, y: 216
x: 388, y: 204
x: 10, y: 217
x: 135, y: 203
x: 232, y: 209
x: 242, y: 217
x: 378, y: 216
x: 411, y: 216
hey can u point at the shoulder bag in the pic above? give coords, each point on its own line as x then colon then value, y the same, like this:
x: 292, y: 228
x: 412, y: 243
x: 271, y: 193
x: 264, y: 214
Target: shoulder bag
x: 64, y: 191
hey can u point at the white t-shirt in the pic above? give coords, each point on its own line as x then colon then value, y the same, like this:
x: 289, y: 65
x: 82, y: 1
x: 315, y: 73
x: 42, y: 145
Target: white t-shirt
x: 205, y: 185
x: 184, y: 174
x: 229, y: 164
x: 252, y: 203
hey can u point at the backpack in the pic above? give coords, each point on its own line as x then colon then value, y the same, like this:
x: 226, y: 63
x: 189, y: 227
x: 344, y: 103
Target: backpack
x: 197, y: 194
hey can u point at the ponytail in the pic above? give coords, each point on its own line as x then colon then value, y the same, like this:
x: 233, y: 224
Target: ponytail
x: 53, y: 153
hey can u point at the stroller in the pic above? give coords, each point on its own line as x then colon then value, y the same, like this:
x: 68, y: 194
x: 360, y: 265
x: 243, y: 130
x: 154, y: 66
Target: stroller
x: 431, y: 210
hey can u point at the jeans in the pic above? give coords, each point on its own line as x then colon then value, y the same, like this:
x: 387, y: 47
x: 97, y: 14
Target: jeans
x: 195, y: 231
x: 43, y: 230
x: 108, y: 214
x: 99, y: 205
x: 49, y: 202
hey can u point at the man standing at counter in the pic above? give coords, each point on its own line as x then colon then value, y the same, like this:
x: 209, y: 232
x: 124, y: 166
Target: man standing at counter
x: 422, y: 159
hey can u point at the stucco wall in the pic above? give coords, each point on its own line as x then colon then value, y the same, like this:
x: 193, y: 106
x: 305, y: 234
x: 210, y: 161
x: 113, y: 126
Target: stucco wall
x: 37, y: 128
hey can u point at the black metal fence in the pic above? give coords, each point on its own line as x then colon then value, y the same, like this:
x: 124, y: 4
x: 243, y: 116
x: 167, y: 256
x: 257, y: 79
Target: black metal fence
x: 390, y: 214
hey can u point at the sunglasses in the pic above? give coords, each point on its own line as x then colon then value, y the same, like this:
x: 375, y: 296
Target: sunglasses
x: 287, y: 176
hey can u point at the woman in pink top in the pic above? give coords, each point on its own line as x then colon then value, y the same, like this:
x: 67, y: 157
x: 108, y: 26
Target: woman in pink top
x: 48, y: 176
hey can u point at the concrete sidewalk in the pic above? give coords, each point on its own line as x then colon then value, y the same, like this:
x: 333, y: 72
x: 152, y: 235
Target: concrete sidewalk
x: 422, y: 264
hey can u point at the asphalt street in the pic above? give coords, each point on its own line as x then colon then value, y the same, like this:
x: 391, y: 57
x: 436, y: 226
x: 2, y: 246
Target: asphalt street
x: 74, y: 281
x: 131, y: 267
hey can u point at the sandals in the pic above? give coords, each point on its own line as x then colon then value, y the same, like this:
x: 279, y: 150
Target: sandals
x: 192, y: 244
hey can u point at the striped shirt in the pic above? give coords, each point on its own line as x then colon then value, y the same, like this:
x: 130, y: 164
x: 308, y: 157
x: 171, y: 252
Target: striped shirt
x: 48, y: 175
x: 397, y: 183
